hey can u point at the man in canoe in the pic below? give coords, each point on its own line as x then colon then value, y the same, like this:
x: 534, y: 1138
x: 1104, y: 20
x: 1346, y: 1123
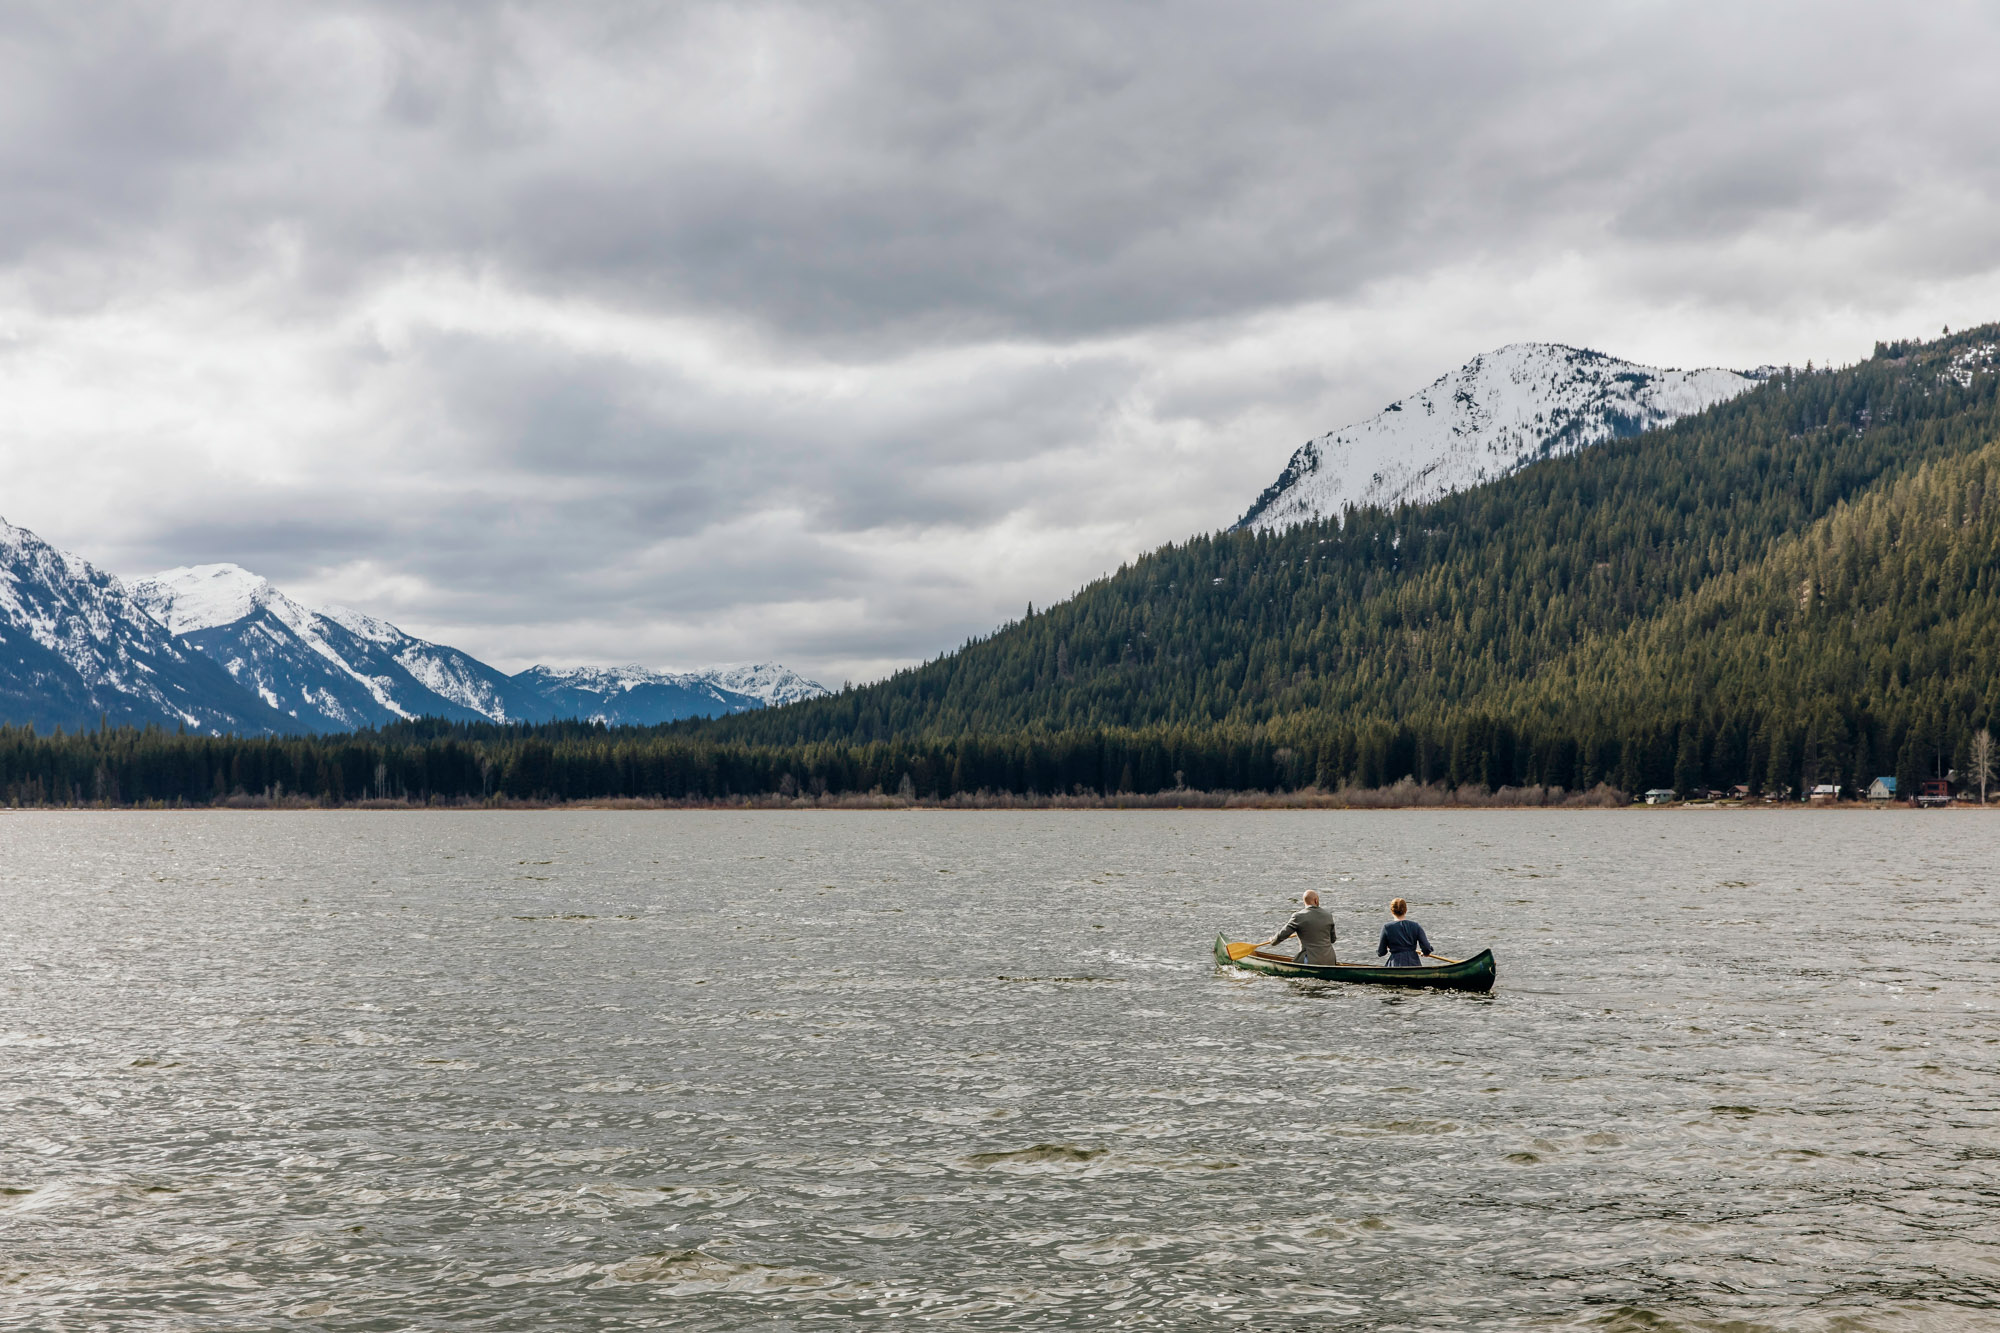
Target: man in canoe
x: 1404, y: 941
x: 1314, y: 928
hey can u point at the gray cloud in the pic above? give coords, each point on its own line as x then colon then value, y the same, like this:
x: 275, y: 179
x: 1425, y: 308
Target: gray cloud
x: 836, y: 331
x: 848, y: 172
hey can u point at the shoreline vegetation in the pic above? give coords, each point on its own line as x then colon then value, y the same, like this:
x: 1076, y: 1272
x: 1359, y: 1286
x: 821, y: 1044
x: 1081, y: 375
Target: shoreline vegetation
x: 432, y: 764
x: 1403, y: 795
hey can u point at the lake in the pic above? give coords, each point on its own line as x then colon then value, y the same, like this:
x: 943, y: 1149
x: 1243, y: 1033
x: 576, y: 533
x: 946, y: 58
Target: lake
x: 608, y: 1070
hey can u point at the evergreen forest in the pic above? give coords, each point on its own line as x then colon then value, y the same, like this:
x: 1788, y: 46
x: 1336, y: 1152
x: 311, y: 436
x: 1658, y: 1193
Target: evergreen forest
x: 1793, y: 588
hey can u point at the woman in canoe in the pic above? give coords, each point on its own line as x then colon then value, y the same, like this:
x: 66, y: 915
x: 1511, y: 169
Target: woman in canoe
x: 1404, y: 941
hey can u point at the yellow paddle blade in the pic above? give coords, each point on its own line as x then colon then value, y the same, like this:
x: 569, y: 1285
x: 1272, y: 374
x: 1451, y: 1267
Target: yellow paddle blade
x: 1237, y: 951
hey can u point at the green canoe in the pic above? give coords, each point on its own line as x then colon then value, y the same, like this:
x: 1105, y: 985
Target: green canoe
x: 1472, y: 974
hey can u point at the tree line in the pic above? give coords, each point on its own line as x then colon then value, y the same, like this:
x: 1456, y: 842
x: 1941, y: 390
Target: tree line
x: 456, y: 763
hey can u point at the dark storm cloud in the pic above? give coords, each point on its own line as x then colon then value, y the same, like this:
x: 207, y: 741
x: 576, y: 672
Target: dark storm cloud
x: 657, y: 314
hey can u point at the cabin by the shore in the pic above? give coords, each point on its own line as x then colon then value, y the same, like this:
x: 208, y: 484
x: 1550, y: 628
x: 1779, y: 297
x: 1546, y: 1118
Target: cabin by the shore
x: 1660, y: 796
x: 1825, y: 793
x: 1882, y: 789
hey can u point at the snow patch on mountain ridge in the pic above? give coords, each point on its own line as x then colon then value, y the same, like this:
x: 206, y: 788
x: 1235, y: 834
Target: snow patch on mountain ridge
x: 443, y: 670
x: 776, y: 685
x: 735, y: 687
x: 1492, y: 416
x: 767, y: 682
x: 79, y: 613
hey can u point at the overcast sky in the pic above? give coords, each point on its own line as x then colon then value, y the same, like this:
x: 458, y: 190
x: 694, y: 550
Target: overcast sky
x: 831, y: 334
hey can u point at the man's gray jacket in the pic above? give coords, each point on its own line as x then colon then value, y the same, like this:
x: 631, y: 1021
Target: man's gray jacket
x: 1314, y: 927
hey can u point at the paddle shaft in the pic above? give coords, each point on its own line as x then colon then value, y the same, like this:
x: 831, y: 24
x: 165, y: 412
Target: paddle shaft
x: 1256, y: 951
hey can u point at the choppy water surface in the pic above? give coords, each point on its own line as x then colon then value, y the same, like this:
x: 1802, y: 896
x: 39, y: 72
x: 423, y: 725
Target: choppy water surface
x: 618, y: 1070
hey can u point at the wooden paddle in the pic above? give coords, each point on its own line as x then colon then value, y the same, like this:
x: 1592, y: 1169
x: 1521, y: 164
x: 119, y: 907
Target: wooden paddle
x: 1442, y: 959
x: 1238, y: 952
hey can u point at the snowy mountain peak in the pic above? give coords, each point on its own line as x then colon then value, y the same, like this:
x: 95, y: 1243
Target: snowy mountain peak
x: 193, y: 597
x: 1494, y: 415
x: 642, y: 695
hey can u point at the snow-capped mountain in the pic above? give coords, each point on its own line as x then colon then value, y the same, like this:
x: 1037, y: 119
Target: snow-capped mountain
x: 332, y: 670
x: 639, y: 696
x: 75, y: 646
x: 217, y: 648
x: 336, y: 669
x: 1495, y: 414
x: 767, y: 681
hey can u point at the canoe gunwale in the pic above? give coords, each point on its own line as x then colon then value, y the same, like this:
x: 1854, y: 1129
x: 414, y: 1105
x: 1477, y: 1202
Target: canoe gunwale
x: 1474, y: 974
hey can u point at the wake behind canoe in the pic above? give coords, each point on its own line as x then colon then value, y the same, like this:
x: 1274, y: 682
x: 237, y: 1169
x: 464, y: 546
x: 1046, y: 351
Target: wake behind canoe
x: 1475, y: 973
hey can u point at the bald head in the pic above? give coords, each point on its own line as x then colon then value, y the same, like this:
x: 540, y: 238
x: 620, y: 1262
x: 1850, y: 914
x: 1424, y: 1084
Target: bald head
x: 1312, y: 897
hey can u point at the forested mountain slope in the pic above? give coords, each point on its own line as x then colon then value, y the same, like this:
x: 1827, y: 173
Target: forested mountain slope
x: 1635, y: 586
x: 1878, y: 625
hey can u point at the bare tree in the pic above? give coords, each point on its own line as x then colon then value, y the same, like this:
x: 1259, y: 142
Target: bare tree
x: 1982, y: 760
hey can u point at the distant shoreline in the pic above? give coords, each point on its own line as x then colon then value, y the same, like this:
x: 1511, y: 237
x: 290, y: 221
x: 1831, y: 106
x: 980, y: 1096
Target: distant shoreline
x: 1403, y: 796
